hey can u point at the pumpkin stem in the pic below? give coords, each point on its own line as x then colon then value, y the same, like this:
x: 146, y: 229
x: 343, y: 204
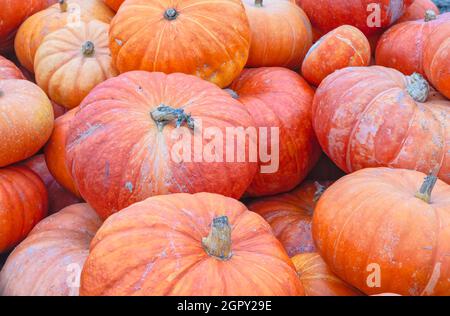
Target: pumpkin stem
x: 88, y: 48
x: 258, y: 3
x: 417, y: 87
x: 320, y: 190
x: 171, y: 14
x: 233, y: 93
x: 218, y: 242
x: 427, y: 186
x: 63, y: 5
x: 165, y: 114
x: 430, y: 15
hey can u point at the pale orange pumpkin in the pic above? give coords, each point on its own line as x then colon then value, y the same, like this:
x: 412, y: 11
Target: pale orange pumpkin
x: 8, y: 70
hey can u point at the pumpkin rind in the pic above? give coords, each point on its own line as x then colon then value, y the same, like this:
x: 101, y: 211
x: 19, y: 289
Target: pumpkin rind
x: 8, y: 70
x: 114, y: 4
x: 417, y: 9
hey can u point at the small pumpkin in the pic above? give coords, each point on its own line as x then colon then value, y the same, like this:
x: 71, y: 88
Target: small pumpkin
x: 188, y: 245
x: 23, y: 201
x: 382, y: 230
x: 345, y: 46
x: 49, y: 261
x: 114, y: 4
x: 8, y: 70
x: 72, y: 60
x: 417, y: 10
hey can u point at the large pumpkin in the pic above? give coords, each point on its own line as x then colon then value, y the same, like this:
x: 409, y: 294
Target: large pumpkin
x: 26, y: 121
x: 23, y: 203
x: 71, y: 61
x: 375, y: 116
x: 188, y: 245
x: 278, y: 98
x: 49, y: 261
x: 209, y: 39
x: 282, y: 24
x: 147, y: 131
x: 290, y: 215
x: 318, y: 279
x: 379, y: 230
x: 417, y: 10
x: 8, y: 70
x: 32, y: 32
x: 114, y: 4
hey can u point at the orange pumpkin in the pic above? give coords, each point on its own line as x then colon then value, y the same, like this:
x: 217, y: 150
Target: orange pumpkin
x: 72, y: 60
x: 417, y: 10
x: 377, y: 117
x: 209, y: 39
x: 27, y: 120
x: 8, y: 70
x: 282, y: 24
x: 318, y: 279
x: 23, y: 201
x: 379, y: 230
x: 188, y: 245
x: 49, y: 261
x: 114, y: 4
x: 343, y: 47
x: 33, y: 31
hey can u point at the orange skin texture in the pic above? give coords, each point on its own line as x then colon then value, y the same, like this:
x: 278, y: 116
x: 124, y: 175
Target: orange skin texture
x: 402, y: 46
x: 417, y: 10
x: 282, y: 24
x: 162, y: 253
x: 8, y: 70
x: 290, y: 215
x: 51, y: 255
x: 64, y: 72
x: 345, y: 46
x: 318, y: 279
x: 327, y: 15
x: 373, y: 216
x: 436, y: 60
x: 364, y: 117
x: 114, y: 4
x: 55, y: 153
x: 23, y: 201
x: 27, y: 123
x: 33, y: 31
x: 278, y: 97
x: 208, y: 39
x: 133, y: 159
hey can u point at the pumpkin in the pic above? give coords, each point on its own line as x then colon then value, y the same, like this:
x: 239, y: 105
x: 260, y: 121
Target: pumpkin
x: 55, y: 153
x: 8, y: 70
x: 23, y: 201
x: 377, y: 117
x: 282, y: 24
x: 27, y: 120
x: 137, y: 123
x: 32, y: 32
x: 417, y: 10
x: 279, y: 98
x: 325, y: 169
x: 368, y: 16
x: 318, y: 279
x: 209, y: 39
x: 381, y: 223
x: 343, y: 47
x: 58, y: 110
x: 186, y: 245
x: 49, y: 261
x: 290, y: 215
x: 58, y: 197
x: 436, y: 61
x: 402, y: 46
x: 114, y: 4
x: 72, y: 60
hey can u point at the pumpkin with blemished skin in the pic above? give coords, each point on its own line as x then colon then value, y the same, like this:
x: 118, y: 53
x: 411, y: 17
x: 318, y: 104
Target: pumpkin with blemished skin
x: 8, y: 70
x: 114, y: 4
x: 417, y: 9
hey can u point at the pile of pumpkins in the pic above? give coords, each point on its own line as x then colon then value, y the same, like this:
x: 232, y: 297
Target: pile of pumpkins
x: 91, y: 202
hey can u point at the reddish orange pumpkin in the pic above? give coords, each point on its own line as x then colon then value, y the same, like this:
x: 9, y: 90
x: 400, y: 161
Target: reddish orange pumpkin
x: 375, y: 116
x: 345, y: 46
x: 318, y: 279
x: 279, y: 98
x: 417, y: 10
x: 188, y: 245
x: 8, y: 70
x: 209, y: 39
x: 23, y: 201
x: 114, y: 4
x: 49, y: 261
x: 380, y: 231
x: 141, y: 125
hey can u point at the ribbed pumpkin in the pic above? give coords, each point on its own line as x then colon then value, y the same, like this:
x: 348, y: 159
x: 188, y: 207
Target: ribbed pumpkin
x: 282, y: 24
x: 209, y: 39
x: 23, y: 201
x: 279, y: 98
x: 8, y: 70
x: 26, y: 121
x: 137, y: 123
x: 417, y: 10
x: 318, y: 279
x: 49, y: 261
x: 345, y: 46
x: 32, y: 32
x: 71, y: 61
x: 114, y: 4
x: 377, y: 117
x: 382, y: 225
x: 188, y: 245
x: 290, y: 215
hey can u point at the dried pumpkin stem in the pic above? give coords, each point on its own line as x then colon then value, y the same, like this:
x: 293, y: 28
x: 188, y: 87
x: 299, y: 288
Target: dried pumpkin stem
x: 430, y: 15
x: 258, y: 3
x: 88, y: 48
x: 171, y: 14
x: 63, y: 5
x: 417, y: 87
x: 165, y: 114
x: 427, y: 187
x: 218, y: 242
x: 233, y: 93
